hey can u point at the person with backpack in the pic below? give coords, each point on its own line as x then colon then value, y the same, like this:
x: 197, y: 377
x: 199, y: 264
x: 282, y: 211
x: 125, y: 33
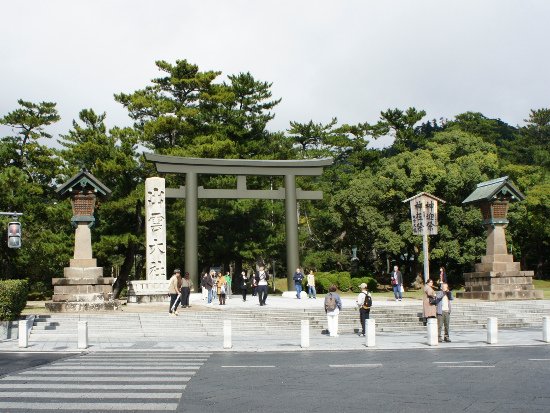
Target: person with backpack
x: 364, y: 302
x: 261, y: 279
x: 333, y: 306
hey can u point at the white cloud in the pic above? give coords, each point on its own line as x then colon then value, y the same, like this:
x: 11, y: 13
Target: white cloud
x: 349, y: 59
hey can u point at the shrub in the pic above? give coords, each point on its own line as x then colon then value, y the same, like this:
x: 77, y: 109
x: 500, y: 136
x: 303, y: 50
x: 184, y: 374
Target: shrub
x: 40, y: 291
x: 372, y: 284
x: 13, y: 298
x: 344, y: 281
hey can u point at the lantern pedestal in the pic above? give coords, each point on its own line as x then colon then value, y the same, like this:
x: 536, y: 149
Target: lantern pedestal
x: 83, y: 287
x: 497, y: 276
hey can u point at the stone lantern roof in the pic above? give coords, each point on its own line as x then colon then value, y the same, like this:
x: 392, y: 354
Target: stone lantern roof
x: 83, y: 180
x: 489, y: 191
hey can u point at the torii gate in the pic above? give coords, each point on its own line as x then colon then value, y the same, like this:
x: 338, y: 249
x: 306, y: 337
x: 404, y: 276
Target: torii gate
x: 191, y: 192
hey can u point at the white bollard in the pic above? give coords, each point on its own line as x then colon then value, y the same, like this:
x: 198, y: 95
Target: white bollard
x: 370, y: 339
x: 492, y: 330
x: 23, y: 334
x: 305, y: 334
x: 432, y: 332
x: 82, y: 334
x: 227, y: 334
x: 546, y: 329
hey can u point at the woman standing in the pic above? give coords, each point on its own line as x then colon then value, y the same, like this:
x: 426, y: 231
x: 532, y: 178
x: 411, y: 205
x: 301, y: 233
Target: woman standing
x: 244, y: 280
x: 186, y: 287
x: 430, y: 310
x: 222, y: 289
x: 311, y: 293
x: 333, y: 306
x: 442, y: 276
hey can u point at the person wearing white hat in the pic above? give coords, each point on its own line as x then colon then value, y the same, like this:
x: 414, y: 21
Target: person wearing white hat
x: 364, y: 302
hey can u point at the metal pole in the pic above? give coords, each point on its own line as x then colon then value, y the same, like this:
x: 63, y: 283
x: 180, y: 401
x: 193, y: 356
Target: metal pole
x: 191, y: 227
x: 292, y: 257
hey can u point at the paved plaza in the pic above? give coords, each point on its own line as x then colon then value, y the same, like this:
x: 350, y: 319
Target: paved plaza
x: 170, y: 333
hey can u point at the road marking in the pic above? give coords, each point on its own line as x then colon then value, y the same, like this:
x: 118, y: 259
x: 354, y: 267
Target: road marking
x: 355, y: 365
x: 457, y: 362
x: 539, y: 359
x: 248, y: 367
x: 89, y: 406
x: 68, y: 395
x: 465, y: 367
x: 73, y: 386
x: 94, y: 379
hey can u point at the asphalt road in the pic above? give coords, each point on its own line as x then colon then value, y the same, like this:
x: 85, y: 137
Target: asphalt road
x: 498, y: 379
x: 12, y: 362
x: 438, y: 380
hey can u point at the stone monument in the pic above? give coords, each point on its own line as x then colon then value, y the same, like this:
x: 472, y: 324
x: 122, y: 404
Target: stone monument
x: 83, y: 286
x: 155, y: 287
x: 497, y: 277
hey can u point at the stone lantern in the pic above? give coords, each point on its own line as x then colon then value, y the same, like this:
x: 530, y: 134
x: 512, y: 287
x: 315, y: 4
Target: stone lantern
x: 497, y: 277
x: 83, y: 286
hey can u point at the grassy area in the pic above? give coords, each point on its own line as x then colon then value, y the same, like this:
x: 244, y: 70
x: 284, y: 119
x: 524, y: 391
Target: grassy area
x: 543, y: 285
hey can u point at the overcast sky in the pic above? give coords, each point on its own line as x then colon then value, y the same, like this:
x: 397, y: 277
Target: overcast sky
x: 349, y: 59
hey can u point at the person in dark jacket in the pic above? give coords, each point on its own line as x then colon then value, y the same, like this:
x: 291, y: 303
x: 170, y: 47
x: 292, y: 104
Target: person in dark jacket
x: 298, y: 278
x: 397, y: 283
x: 244, y: 281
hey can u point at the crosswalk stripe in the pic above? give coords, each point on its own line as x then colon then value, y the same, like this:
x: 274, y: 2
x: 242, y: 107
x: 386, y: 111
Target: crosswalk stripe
x: 36, y: 407
x: 101, y: 382
x: 104, y: 395
x: 118, y: 368
x: 94, y: 379
x: 45, y: 372
x: 148, y: 387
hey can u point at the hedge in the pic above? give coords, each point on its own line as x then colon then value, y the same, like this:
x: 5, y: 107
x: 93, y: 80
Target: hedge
x: 323, y: 280
x: 13, y: 298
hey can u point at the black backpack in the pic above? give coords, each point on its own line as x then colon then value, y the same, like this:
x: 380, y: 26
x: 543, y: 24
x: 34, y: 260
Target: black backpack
x: 367, y: 304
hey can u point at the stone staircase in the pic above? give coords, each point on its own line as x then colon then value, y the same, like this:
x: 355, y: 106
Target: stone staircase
x: 466, y: 315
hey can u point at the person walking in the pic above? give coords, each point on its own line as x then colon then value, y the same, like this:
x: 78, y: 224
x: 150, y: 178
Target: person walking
x: 221, y: 289
x: 261, y: 280
x: 185, y: 292
x: 397, y: 283
x: 364, y: 302
x: 173, y: 290
x: 443, y: 299
x: 207, y: 284
x: 333, y: 306
x: 298, y: 278
x: 311, y: 292
x: 428, y: 303
x: 228, y: 281
x: 244, y: 281
x: 215, y: 277
x: 203, y: 288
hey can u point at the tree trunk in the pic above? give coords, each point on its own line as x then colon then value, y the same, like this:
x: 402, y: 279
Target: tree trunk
x: 125, y: 269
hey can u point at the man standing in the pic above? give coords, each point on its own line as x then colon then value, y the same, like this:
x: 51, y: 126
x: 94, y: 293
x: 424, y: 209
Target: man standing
x: 173, y: 290
x: 261, y: 281
x: 298, y: 277
x: 364, y: 302
x: 443, y: 299
x: 397, y: 283
x: 208, y: 283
